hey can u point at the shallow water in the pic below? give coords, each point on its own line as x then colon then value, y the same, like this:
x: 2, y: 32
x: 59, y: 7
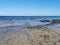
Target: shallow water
x: 18, y: 24
x: 57, y: 26
x: 12, y: 29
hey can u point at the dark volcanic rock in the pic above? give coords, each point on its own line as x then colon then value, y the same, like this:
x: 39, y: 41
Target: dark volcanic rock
x: 56, y: 21
x: 45, y: 20
x: 53, y: 20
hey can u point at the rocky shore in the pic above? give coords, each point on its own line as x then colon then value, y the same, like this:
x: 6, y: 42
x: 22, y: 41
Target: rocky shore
x: 52, y: 20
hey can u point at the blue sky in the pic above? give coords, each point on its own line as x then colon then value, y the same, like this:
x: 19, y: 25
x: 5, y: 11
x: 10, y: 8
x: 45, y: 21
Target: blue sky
x: 30, y: 7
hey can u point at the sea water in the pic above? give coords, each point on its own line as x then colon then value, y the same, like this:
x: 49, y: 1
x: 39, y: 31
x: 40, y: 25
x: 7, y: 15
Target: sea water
x: 23, y: 21
x: 12, y: 24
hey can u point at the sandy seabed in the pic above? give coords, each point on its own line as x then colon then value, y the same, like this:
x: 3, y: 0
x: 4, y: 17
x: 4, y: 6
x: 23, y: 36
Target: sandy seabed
x: 31, y: 36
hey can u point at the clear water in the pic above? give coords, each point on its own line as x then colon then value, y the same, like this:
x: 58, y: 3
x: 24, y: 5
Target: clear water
x: 9, y: 25
x: 18, y: 22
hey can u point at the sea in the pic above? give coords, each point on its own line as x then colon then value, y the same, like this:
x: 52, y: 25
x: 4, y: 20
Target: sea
x: 12, y: 24
x: 27, y: 17
x: 24, y: 21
